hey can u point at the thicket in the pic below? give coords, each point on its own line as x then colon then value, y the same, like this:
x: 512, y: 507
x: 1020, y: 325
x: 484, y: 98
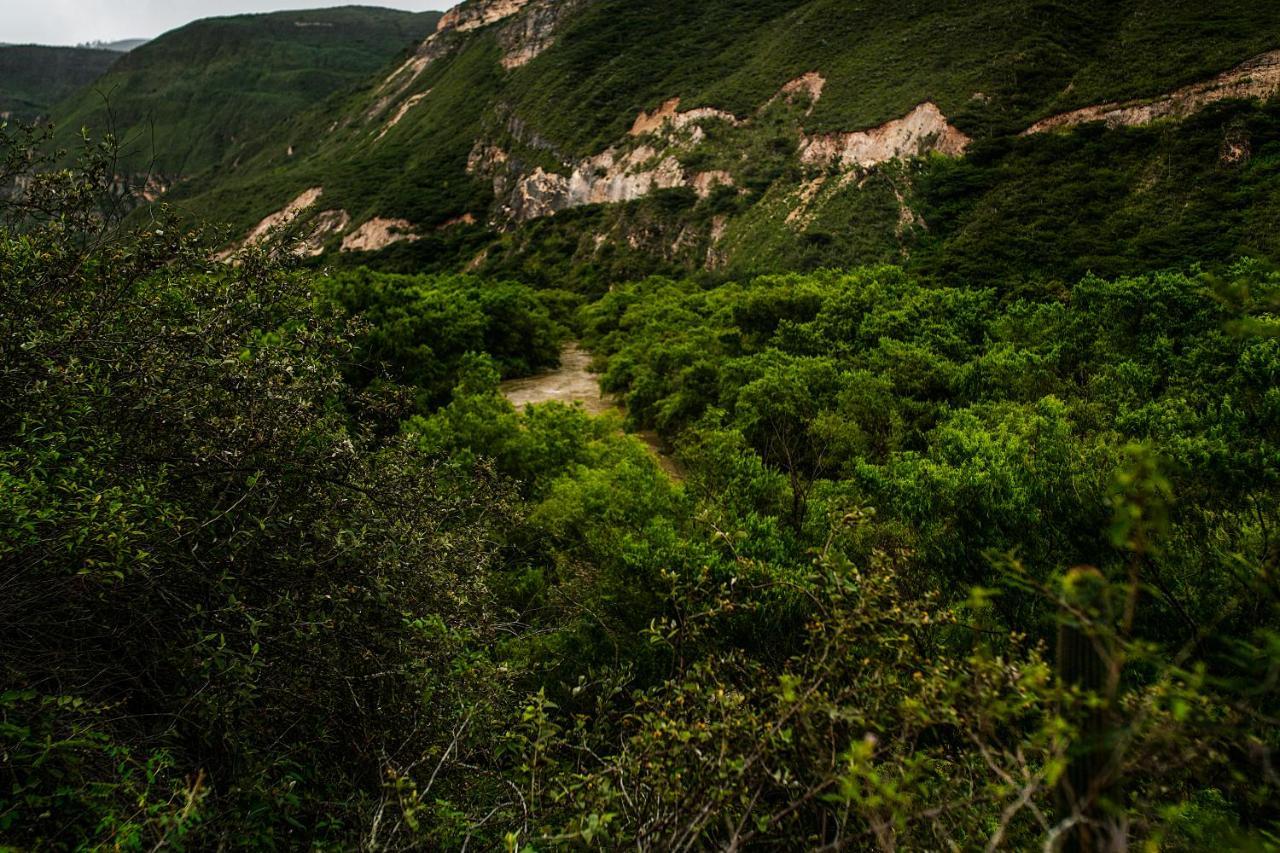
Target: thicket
x: 230, y: 604
x: 946, y: 566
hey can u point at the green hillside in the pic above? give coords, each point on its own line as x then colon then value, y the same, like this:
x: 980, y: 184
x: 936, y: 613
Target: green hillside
x: 33, y: 78
x: 198, y: 95
x: 401, y: 152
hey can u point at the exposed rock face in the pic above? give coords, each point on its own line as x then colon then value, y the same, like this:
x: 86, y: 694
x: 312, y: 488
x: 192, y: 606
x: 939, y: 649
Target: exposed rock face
x: 619, y: 174
x: 609, y: 178
x: 669, y: 114
x: 801, y: 215
x: 532, y: 29
x: 919, y: 132
x: 530, y: 34
x: 457, y: 221
x: 479, y: 13
x: 379, y: 233
x: 286, y: 215
x: 1257, y: 78
x: 311, y: 240
x: 408, y: 104
x: 623, y: 173
x: 320, y: 229
x: 809, y: 85
x: 705, y: 182
x: 485, y: 159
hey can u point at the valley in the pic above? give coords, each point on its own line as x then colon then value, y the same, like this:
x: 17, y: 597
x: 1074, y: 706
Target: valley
x: 598, y: 425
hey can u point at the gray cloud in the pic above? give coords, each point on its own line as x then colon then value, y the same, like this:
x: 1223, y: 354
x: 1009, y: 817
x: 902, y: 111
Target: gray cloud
x: 77, y: 21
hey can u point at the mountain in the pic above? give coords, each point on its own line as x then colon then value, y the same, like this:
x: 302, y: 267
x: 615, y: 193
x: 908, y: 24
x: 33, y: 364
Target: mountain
x: 33, y: 77
x: 193, y: 98
x: 560, y: 140
x: 807, y: 425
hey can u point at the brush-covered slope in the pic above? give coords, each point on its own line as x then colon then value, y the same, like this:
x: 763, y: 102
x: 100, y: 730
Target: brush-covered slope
x: 563, y: 138
x: 194, y: 97
x: 33, y: 77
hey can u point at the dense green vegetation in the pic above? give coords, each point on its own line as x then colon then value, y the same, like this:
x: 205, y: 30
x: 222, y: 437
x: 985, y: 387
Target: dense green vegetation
x: 33, y: 78
x: 421, y: 329
x: 970, y: 536
x: 948, y: 564
x: 198, y: 97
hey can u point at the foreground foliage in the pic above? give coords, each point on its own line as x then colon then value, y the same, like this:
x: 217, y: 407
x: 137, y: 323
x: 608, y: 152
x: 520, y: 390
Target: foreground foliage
x: 943, y: 567
x: 225, y: 601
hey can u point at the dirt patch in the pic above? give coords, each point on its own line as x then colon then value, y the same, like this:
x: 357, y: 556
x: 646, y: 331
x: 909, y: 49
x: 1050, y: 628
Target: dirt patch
x: 801, y: 215
x: 324, y: 226
x: 404, y: 108
x: 669, y: 114
x: 704, y: 183
x: 810, y: 85
x: 473, y: 16
x: 527, y: 36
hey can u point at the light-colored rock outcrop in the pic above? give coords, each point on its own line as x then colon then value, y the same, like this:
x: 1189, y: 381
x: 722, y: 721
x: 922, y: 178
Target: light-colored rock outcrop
x: 1257, y: 78
x: 478, y: 13
x: 378, y: 233
x: 629, y: 172
x: 527, y: 35
x: 326, y: 224
x: 485, y: 159
x: 704, y: 183
x: 286, y: 215
x: 923, y: 130
x: 669, y: 117
x: 801, y: 215
x: 608, y: 178
x: 403, y: 110
x: 809, y: 85
x: 312, y: 235
x: 531, y: 29
x: 457, y: 221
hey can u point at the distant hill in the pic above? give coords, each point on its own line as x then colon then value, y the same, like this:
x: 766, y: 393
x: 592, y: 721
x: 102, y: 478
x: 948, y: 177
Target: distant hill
x: 122, y: 46
x: 193, y: 97
x: 33, y: 78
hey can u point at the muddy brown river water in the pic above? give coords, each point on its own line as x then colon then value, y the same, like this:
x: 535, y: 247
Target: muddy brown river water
x: 573, y: 382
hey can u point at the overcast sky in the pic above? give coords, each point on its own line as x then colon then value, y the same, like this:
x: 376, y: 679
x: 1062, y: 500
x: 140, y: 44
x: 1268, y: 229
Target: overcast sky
x: 77, y: 21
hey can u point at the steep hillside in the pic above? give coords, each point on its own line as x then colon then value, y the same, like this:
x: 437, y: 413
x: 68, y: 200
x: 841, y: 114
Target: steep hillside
x: 33, y: 78
x: 556, y: 139
x: 194, y: 97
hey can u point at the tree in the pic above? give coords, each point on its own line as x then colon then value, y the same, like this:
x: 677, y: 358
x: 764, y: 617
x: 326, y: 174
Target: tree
x: 225, y: 598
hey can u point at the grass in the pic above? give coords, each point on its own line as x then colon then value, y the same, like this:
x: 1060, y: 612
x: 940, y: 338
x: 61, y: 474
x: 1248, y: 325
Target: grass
x: 203, y: 94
